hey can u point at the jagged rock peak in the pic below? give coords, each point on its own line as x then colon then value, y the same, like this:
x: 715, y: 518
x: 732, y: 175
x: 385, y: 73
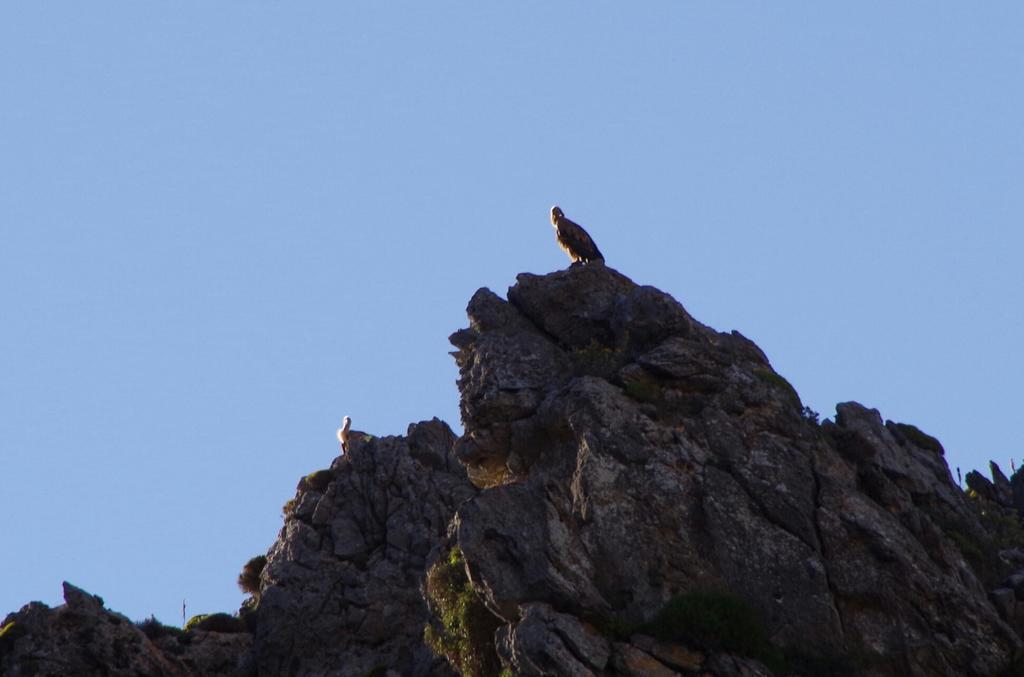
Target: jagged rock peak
x: 631, y: 456
x: 590, y: 321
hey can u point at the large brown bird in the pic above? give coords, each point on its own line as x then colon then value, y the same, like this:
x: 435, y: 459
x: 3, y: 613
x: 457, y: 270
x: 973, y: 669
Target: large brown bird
x: 573, y: 239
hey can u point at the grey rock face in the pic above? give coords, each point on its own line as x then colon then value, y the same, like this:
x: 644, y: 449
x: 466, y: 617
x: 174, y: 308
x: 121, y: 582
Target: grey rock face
x: 631, y: 454
x: 1001, y: 485
x: 546, y: 642
x: 1017, y: 490
x: 980, y: 485
x: 340, y: 593
x: 82, y: 638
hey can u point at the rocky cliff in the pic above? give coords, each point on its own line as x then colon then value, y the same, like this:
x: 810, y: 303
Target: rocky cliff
x: 634, y: 494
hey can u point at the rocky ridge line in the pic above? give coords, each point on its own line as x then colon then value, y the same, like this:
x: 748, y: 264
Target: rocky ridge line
x: 618, y: 457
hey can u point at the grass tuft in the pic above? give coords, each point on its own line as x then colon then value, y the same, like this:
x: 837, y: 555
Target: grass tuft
x: 288, y: 509
x: 776, y: 381
x: 318, y: 481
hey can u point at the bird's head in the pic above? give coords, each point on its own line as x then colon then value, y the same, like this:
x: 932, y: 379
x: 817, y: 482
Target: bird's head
x: 556, y: 213
x: 345, y: 423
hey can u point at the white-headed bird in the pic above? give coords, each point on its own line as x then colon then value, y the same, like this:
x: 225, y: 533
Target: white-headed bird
x: 343, y: 435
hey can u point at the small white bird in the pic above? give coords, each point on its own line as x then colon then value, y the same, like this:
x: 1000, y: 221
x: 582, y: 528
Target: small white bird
x: 346, y: 423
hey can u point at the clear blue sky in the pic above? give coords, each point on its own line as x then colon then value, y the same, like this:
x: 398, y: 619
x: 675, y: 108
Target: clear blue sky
x: 226, y: 225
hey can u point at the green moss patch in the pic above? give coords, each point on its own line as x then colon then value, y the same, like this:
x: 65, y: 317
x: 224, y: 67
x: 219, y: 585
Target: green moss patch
x: 219, y: 622
x: 463, y: 629
x: 192, y: 623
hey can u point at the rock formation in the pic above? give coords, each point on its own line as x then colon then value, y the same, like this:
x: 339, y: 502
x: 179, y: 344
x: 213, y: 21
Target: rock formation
x: 635, y: 455
x: 83, y: 639
x: 634, y: 494
x: 340, y: 593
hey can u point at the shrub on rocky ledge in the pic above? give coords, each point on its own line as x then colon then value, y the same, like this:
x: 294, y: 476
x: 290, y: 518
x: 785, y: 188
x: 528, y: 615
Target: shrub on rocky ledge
x: 289, y: 507
x: 318, y: 481
x: 721, y: 622
x: 154, y: 629
x: 219, y: 622
x: 249, y: 579
x: 463, y: 629
x: 714, y: 621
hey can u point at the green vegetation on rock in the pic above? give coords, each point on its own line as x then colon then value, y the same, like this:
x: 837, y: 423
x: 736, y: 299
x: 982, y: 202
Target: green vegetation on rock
x: 218, y: 622
x: 775, y: 380
x: 289, y: 507
x: 249, y: 579
x: 463, y: 631
x: 9, y: 634
x: 319, y: 480
x: 154, y: 629
x: 644, y: 391
x: 193, y: 622
x: 713, y: 621
x: 596, y: 359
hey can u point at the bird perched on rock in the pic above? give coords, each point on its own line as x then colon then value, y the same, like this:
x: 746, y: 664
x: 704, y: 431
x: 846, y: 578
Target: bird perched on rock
x: 343, y: 434
x: 573, y: 239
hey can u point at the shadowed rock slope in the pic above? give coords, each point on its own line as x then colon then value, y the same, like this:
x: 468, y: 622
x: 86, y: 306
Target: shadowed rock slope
x: 634, y: 494
x: 83, y: 639
x: 340, y: 594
